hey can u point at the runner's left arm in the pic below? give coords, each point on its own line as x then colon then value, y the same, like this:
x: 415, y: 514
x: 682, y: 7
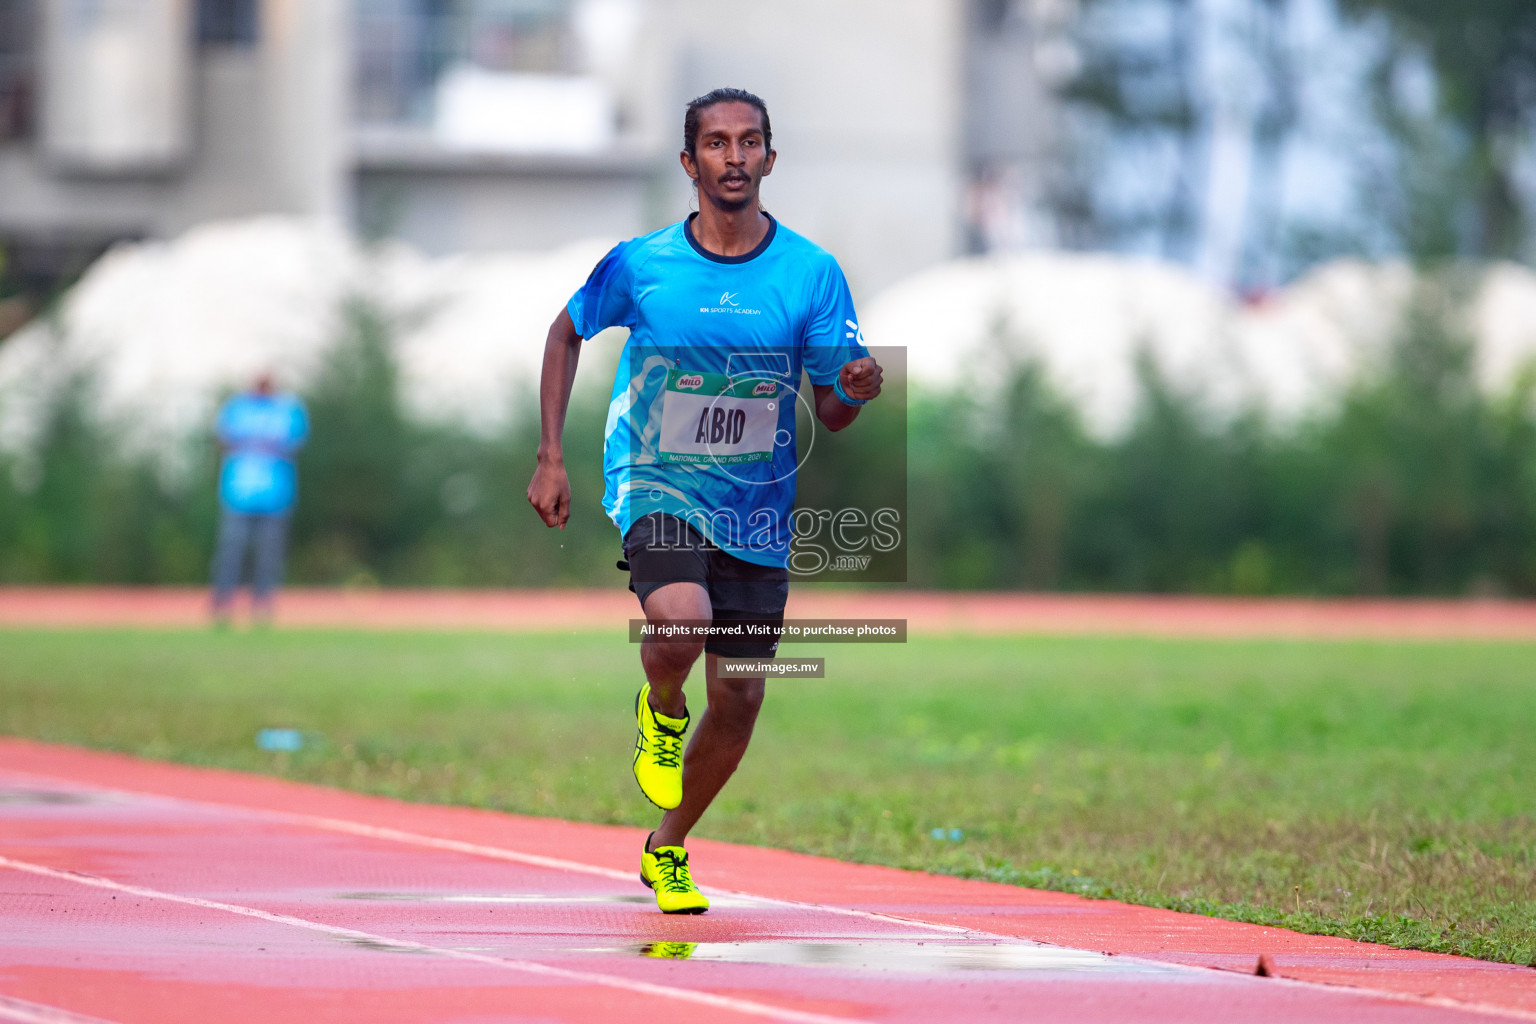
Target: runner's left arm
x: 860, y: 379
x: 835, y: 356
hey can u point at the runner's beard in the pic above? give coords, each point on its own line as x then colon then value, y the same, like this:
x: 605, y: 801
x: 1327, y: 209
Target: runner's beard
x: 732, y: 205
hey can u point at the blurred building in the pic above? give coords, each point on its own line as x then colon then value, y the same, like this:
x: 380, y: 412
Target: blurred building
x: 138, y: 118
x: 1017, y: 54
x: 908, y: 130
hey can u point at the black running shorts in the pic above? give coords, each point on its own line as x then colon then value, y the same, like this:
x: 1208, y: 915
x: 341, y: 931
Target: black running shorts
x: 662, y: 549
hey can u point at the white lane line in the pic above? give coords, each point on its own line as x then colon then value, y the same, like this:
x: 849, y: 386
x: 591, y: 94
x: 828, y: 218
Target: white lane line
x: 357, y: 828
x: 710, y: 999
x: 501, y: 853
x: 24, y: 1012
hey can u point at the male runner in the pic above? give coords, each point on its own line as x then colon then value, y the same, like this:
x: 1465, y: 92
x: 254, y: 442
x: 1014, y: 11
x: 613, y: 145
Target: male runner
x: 724, y: 310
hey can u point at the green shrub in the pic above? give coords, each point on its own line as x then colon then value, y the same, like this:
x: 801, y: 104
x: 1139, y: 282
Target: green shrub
x: 1413, y: 482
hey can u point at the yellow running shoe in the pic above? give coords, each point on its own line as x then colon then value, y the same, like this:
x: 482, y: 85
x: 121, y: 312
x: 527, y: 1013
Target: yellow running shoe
x: 669, y: 950
x: 658, y: 761
x: 665, y: 870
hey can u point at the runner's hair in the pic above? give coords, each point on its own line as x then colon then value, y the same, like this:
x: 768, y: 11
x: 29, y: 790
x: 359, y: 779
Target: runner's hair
x: 709, y: 99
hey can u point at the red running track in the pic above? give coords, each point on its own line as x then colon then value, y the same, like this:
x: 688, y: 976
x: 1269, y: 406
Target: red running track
x: 932, y: 612
x: 132, y: 891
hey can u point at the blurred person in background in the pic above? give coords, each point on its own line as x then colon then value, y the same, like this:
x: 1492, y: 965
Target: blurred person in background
x: 725, y: 311
x: 260, y: 432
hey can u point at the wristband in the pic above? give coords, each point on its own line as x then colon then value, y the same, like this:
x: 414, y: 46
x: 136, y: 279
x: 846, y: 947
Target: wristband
x: 842, y: 396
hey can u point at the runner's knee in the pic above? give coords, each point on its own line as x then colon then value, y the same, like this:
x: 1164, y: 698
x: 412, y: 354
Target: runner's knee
x: 675, y: 614
x: 674, y: 654
x: 736, y: 703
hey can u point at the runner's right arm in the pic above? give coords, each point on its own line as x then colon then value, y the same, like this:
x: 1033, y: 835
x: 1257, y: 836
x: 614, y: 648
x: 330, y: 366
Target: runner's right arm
x: 550, y: 490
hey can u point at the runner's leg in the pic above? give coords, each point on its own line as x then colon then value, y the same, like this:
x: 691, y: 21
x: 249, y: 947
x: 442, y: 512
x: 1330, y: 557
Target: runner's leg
x: 719, y: 741
x: 668, y: 662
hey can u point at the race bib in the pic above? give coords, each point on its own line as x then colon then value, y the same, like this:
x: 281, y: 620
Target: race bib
x: 706, y: 418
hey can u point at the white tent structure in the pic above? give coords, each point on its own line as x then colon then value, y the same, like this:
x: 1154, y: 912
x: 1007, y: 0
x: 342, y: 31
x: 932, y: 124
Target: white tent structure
x: 165, y: 327
x: 1087, y: 317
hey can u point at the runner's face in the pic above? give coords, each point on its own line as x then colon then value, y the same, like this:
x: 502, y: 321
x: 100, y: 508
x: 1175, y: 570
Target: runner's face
x: 730, y: 158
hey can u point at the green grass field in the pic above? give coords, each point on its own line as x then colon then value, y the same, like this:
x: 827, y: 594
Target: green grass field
x: 1375, y: 790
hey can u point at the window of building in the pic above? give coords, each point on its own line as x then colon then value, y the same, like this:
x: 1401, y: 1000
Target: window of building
x: 17, y: 68
x: 989, y: 15
x: 404, y: 48
x: 228, y: 22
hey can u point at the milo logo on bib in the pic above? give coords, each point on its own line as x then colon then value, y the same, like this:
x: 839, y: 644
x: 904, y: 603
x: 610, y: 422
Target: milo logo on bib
x: 706, y: 417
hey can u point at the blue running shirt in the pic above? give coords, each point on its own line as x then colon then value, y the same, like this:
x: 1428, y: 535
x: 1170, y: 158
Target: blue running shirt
x: 701, y: 423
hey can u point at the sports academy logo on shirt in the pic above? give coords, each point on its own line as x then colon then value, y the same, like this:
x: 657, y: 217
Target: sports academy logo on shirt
x: 729, y: 304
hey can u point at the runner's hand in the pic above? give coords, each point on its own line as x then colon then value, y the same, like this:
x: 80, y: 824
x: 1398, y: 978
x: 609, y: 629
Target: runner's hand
x: 549, y: 492
x: 861, y: 378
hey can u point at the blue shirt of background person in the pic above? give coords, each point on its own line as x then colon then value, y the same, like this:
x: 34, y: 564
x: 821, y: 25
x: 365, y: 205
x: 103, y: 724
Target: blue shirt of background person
x: 261, y: 431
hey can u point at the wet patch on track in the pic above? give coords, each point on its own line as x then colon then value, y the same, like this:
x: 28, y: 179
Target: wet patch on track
x: 47, y: 797
x: 382, y: 947
x: 532, y: 897
x: 917, y: 956
x: 535, y: 898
